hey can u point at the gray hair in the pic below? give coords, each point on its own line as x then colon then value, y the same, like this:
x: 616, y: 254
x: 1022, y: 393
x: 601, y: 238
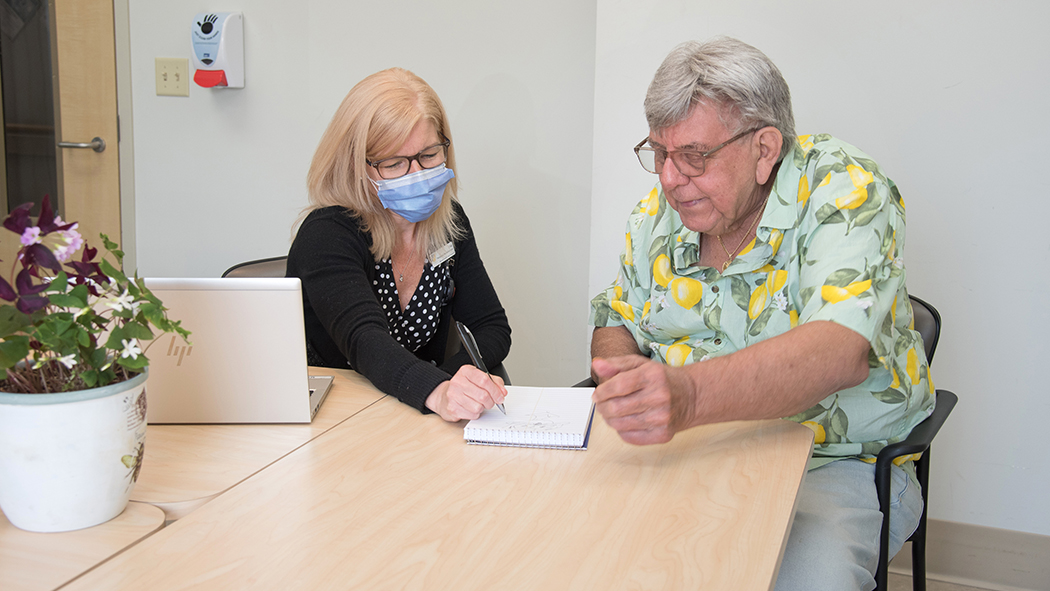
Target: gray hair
x: 721, y: 72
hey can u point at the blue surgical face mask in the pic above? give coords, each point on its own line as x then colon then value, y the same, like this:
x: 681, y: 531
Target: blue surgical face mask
x: 415, y: 196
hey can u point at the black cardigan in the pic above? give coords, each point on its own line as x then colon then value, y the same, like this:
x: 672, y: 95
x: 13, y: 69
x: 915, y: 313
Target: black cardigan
x: 345, y: 324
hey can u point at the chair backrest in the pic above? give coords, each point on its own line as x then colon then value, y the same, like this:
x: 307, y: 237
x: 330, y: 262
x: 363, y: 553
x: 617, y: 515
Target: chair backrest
x: 928, y: 324
x: 271, y: 267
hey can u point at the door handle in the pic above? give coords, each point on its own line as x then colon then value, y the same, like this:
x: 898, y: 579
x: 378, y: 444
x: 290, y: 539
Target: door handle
x: 97, y: 144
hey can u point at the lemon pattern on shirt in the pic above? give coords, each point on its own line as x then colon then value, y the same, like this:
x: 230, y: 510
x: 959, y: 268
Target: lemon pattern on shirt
x: 828, y: 247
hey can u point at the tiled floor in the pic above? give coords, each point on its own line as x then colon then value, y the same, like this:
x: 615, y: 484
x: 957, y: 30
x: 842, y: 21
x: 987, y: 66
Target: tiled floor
x: 903, y: 583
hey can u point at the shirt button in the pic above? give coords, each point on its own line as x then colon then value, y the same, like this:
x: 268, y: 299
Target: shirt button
x: 718, y: 341
x: 714, y: 289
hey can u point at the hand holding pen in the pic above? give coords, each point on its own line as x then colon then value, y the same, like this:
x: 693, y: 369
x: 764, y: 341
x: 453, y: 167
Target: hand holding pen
x: 475, y: 354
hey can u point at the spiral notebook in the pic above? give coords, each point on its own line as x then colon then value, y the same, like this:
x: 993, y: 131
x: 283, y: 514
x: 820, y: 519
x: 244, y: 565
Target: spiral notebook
x: 558, y: 418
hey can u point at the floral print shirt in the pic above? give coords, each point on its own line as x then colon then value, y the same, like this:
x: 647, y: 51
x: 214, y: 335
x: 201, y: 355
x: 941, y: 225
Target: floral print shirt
x: 828, y: 247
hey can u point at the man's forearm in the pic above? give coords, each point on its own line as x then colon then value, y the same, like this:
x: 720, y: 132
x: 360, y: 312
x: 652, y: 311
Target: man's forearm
x: 779, y: 377
x: 612, y: 341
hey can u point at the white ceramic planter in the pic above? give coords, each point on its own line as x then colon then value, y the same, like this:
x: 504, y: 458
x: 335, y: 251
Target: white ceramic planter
x: 69, y: 461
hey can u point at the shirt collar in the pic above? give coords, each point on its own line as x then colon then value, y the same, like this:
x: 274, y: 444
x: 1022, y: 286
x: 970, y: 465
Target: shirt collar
x: 780, y: 215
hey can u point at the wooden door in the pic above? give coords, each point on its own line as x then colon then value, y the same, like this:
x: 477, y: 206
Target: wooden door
x: 86, y: 107
x: 84, y: 87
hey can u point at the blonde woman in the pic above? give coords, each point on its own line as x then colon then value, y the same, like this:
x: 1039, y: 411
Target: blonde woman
x: 386, y: 254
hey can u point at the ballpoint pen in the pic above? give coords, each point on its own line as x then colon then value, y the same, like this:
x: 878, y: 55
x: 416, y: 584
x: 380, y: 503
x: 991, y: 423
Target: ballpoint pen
x: 475, y: 355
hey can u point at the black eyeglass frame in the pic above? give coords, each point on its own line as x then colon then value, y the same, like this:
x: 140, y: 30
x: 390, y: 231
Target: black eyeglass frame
x: 376, y: 163
x: 671, y: 154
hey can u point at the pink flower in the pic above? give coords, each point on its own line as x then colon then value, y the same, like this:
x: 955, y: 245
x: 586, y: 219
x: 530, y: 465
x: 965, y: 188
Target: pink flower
x: 31, y: 236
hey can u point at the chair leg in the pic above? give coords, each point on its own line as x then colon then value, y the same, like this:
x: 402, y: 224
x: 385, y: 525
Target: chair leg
x: 918, y: 539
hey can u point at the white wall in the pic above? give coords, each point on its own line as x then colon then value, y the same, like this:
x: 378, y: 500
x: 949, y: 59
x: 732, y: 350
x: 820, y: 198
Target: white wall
x: 946, y: 95
x: 950, y: 98
x: 220, y: 176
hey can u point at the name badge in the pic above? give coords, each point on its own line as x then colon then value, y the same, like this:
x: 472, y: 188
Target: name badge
x: 442, y: 254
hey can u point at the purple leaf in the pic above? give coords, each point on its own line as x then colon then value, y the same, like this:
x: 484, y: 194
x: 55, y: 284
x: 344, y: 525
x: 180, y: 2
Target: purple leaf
x: 6, y: 291
x: 24, y: 283
x: 18, y: 221
x: 46, y: 221
x: 38, y: 254
x: 30, y: 304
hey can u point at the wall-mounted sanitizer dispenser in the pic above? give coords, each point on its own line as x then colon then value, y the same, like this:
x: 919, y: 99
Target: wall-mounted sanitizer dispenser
x: 218, y: 49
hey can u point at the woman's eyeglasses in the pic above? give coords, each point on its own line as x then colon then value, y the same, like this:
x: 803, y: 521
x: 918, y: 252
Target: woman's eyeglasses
x: 398, y: 166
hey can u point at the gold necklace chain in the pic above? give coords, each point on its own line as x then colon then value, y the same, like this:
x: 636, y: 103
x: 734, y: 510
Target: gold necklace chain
x: 732, y: 255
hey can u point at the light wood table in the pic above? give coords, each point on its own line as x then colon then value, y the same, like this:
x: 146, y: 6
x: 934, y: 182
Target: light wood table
x: 394, y: 500
x: 187, y: 465
x: 44, y: 561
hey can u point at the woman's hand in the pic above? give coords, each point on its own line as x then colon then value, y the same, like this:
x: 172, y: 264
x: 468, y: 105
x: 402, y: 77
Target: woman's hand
x: 466, y: 395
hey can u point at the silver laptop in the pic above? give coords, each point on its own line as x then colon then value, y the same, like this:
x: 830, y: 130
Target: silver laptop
x: 247, y: 359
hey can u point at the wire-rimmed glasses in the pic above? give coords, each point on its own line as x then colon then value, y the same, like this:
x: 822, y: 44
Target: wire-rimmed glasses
x: 690, y: 163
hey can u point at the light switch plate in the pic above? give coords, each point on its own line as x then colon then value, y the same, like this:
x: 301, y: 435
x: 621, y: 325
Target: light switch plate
x: 173, y: 76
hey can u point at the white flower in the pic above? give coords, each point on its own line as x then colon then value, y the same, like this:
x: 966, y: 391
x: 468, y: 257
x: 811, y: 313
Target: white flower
x: 781, y: 301
x: 122, y: 302
x: 69, y: 361
x: 654, y: 346
x: 661, y: 300
x: 898, y: 262
x: 865, y: 304
x: 131, y: 349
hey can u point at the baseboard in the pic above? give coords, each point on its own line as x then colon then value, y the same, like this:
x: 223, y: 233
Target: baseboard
x: 985, y: 557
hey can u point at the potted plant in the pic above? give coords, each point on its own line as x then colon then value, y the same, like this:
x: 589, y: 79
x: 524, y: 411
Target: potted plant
x: 73, y: 381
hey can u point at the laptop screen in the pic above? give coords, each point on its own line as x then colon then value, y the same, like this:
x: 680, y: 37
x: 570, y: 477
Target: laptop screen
x: 246, y: 359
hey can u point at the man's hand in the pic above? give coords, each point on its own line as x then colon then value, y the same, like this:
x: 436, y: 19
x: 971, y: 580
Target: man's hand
x: 645, y: 401
x: 466, y: 395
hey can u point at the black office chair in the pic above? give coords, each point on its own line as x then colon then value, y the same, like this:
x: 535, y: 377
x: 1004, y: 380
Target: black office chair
x: 277, y: 267
x: 928, y: 324
x: 271, y: 267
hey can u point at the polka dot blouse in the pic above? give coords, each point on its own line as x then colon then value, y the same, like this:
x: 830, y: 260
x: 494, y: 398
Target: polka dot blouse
x: 414, y: 326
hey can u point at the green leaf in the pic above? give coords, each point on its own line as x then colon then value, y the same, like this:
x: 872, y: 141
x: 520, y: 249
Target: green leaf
x: 829, y: 214
x: 12, y: 350
x: 889, y: 396
x: 902, y: 345
x: 864, y: 217
x: 133, y: 364
x: 135, y: 330
x: 12, y: 320
x: 59, y: 284
x: 658, y: 247
x: 805, y: 294
x: 115, y: 337
x: 760, y: 323
x: 112, y: 272
x: 808, y: 414
x: 842, y: 277
x: 741, y: 292
x: 90, y: 378
x: 839, y: 425
x: 65, y: 300
x: 713, y: 318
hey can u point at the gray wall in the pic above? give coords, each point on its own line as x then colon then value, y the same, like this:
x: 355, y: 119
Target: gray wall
x: 545, y: 100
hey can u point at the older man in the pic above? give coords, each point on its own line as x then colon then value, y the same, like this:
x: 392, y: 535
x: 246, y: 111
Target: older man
x: 763, y: 278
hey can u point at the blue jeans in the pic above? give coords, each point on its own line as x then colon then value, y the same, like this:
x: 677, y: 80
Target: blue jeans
x: 834, y: 541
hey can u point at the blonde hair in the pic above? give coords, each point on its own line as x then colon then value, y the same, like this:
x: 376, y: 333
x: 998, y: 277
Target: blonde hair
x: 373, y: 122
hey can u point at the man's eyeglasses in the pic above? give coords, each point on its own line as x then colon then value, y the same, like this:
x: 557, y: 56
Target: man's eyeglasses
x: 691, y: 163
x: 398, y: 166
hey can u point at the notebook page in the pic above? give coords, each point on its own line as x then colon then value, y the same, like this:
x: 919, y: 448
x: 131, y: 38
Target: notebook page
x: 536, y: 417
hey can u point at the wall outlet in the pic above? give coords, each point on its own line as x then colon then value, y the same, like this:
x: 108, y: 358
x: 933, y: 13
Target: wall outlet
x: 173, y: 76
